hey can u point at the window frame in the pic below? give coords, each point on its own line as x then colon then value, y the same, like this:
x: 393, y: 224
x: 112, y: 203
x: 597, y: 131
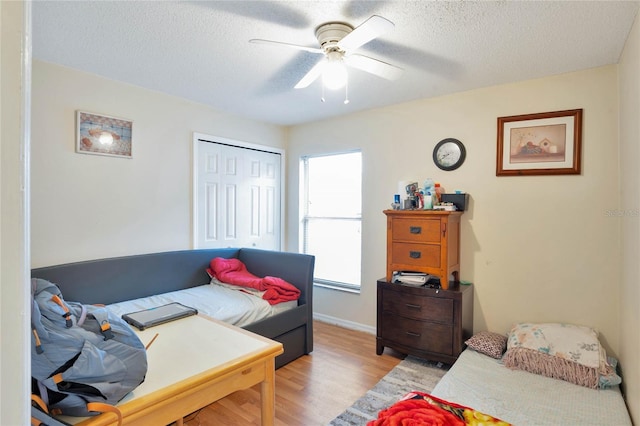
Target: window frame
x: 305, y: 217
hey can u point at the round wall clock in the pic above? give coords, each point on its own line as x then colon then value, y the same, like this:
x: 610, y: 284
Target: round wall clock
x: 449, y: 154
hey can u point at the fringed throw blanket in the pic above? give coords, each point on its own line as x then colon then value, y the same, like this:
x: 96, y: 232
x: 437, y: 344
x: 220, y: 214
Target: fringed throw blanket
x: 421, y: 409
x: 233, y: 271
x: 552, y: 366
x: 561, y: 351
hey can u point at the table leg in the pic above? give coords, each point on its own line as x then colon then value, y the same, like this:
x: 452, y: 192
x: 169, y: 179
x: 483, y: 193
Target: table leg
x: 268, y: 395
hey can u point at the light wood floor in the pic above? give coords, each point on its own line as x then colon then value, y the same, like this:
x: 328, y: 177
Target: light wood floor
x: 313, y: 389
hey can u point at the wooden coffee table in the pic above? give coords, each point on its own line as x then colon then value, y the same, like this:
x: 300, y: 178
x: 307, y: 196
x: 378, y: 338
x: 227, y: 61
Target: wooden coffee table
x: 193, y: 362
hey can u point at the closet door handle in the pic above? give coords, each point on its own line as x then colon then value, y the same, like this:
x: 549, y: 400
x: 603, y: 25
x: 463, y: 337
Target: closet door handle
x: 415, y: 229
x: 415, y: 254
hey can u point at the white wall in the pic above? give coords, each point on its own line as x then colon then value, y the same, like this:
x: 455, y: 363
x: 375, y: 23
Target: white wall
x: 89, y: 206
x: 629, y: 70
x: 15, y: 51
x: 537, y: 248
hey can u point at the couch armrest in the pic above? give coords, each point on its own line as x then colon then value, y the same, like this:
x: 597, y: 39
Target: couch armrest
x: 295, y: 268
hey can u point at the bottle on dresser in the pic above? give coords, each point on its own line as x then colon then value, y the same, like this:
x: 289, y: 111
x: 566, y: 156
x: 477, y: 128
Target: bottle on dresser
x: 439, y: 191
x: 428, y: 201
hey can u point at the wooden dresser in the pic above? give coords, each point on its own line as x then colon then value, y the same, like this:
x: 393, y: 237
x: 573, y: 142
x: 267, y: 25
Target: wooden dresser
x: 424, y: 241
x: 430, y: 323
x: 425, y: 322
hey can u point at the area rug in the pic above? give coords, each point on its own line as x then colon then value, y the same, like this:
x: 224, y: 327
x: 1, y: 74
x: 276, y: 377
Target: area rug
x: 411, y: 374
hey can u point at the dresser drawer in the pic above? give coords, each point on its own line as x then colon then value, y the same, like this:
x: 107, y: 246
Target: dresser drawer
x: 416, y: 229
x: 420, y: 255
x: 417, y: 334
x: 418, y: 307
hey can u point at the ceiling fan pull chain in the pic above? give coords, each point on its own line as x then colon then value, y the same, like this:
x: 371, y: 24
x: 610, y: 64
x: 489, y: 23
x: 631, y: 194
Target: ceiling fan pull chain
x: 322, y: 97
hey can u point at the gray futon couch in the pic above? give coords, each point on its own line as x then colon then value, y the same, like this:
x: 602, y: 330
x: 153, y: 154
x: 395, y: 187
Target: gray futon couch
x: 112, y: 280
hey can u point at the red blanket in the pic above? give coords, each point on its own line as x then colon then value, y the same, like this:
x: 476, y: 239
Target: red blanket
x: 233, y: 271
x: 421, y: 409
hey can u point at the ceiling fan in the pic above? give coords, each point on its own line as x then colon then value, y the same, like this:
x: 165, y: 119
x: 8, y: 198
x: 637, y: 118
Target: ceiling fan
x: 338, y: 41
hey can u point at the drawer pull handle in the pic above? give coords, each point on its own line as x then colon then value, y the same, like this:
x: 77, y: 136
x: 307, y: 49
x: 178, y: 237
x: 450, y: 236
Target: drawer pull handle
x: 412, y: 334
x: 412, y: 306
x: 415, y: 254
x: 415, y: 229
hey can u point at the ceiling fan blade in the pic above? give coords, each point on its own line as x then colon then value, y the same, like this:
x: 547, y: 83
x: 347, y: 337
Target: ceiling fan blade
x: 311, y: 76
x: 280, y: 43
x: 373, y: 66
x: 367, y: 31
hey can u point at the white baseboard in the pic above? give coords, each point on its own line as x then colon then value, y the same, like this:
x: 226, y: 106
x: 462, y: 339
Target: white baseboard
x: 344, y: 323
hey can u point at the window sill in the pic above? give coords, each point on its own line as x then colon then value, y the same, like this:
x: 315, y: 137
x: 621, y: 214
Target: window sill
x: 337, y: 287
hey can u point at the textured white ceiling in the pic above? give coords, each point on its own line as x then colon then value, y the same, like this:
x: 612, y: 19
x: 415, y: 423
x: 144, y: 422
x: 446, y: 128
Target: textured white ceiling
x: 199, y: 50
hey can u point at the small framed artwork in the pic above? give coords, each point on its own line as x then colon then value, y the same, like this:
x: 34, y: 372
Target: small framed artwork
x: 548, y: 143
x: 103, y: 135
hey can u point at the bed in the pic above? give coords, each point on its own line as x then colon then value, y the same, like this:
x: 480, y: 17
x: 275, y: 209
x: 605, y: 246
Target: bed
x: 522, y: 398
x: 509, y: 388
x: 231, y: 304
x: 113, y: 281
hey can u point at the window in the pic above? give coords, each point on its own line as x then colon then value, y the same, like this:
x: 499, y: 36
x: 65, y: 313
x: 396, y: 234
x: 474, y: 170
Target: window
x: 331, y: 195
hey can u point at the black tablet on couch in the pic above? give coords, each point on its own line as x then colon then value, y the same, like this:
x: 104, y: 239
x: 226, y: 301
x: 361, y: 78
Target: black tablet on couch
x: 158, y: 315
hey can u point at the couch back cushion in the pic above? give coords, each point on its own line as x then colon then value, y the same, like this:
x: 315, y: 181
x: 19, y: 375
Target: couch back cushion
x: 117, y: 279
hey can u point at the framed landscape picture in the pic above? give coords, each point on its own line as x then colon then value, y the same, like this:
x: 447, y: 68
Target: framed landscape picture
x: 547, y: 143
x: 103, y: 135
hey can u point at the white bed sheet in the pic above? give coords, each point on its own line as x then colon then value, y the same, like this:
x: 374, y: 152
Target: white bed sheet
x: 229, y: 305
x: 521, y: 398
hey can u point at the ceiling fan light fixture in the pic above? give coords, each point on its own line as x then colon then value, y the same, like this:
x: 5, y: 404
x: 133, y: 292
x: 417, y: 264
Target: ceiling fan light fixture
x: 334, y: 74
x: 337, y: 41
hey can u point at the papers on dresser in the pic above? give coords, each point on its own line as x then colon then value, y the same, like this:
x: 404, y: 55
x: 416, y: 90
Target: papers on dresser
x: 410, y: 278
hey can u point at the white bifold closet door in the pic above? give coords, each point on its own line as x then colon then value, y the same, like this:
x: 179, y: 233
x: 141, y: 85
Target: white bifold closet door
x: 237, y: 193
